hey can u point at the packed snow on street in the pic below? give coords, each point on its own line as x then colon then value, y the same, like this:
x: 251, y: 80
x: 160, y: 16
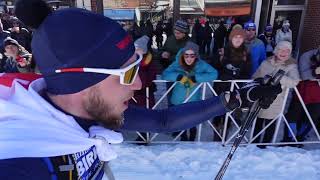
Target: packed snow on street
x: 201, y: 161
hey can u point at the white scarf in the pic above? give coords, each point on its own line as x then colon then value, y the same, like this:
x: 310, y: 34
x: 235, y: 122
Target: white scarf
x: 32, y: 127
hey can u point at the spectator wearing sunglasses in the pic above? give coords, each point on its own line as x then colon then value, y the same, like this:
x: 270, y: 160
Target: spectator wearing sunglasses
x: 189, y: 70
x: 254, y: 45
x: 60, y: 126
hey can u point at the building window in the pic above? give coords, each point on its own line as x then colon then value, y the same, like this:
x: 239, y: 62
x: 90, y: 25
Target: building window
x: 291, y: 2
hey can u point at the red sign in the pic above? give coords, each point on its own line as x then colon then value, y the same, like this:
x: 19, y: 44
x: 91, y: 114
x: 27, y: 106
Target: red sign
x: 227, y: 11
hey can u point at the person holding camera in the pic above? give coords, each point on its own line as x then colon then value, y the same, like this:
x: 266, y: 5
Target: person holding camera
x: 235, y: 61
x: 16, y: 58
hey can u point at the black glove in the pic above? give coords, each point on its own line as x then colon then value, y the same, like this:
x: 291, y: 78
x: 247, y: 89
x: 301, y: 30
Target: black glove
x: 257, y: 90
x: 231, y: 100
x: 193, y: 79
x: 179, y: 77
x: 250, y: 93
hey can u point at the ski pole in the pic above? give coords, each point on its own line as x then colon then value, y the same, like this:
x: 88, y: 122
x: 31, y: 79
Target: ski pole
x: 253, y: 113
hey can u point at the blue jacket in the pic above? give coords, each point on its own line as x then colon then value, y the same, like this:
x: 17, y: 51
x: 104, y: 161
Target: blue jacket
x: 202, y: 72
x: 258, y: 54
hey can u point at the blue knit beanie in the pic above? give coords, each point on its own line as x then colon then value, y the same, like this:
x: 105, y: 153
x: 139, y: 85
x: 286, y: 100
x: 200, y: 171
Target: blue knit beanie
x: 181, y: 26
x: 76, y: 38
x: 249, y: 24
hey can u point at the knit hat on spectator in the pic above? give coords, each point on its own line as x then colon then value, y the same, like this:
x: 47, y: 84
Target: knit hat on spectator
x: 250, y: 25
x: 191, y: 46
x: 181, y: 26
x: 10, y: 41
x: 285, y: 23
x: 237, y: 31
x: 268, y: 28
x: 283, y: 45
x: 142, y: 43
x: 73, y: 38
x: 237, y: 26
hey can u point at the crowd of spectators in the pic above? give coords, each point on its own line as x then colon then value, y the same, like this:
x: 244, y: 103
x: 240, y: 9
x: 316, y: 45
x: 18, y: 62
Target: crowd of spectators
x: 203, y: 53
x: 236, y: 52
x: 15, y: 46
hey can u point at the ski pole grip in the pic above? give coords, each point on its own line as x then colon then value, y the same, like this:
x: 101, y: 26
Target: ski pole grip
x: 275, y: 80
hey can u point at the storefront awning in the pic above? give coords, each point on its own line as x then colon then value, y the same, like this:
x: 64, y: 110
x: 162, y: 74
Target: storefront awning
x: 227, y: 8
x: 119, y: 14
x: 228, y: 11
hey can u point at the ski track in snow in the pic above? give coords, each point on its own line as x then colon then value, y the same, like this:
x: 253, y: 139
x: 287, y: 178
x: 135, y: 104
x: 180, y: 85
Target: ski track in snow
x: 201, y: 161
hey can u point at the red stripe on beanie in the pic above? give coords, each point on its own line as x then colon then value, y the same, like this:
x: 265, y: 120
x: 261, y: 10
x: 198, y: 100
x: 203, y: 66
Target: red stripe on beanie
x: 124, y: 42
x: 72, y: 70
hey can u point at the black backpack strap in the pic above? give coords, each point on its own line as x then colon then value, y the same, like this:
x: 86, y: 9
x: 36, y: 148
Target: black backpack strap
x: 63, y: 167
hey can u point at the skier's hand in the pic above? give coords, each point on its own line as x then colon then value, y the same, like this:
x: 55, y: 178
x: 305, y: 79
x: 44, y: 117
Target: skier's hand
x: 267, y: 94
x: 257, y: 90
x: 251, y: 92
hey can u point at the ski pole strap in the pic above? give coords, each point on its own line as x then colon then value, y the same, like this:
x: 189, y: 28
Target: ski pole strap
x: 107, y: 170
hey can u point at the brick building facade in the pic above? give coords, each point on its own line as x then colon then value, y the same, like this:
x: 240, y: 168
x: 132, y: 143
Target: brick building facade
x: 311, y: 28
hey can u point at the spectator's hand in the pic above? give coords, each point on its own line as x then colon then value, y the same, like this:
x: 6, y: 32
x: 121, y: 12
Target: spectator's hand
x: 184, y: 79
x: 21, y: 61
x: 317, y: 70
x: 221, y: 52
x: 192, y: 79
x: 165, y: 55
x: 179, y: 77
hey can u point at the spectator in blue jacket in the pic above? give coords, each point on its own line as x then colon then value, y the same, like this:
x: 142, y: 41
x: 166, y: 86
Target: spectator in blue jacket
x: 189, y: 70
x: 255, y: 46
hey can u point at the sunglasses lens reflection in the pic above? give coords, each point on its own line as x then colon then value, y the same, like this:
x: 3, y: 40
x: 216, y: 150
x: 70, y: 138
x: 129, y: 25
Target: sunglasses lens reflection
x: 130, y: 75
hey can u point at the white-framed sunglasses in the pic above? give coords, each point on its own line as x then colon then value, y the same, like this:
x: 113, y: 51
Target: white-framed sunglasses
x: 127, y: 74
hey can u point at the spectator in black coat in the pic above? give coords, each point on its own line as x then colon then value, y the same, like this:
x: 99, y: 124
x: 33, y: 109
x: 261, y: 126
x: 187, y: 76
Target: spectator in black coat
x: 21, y: 34
x: 207, y: 37
x: 3, y: 35
x: 158, y: 32
x: 219, y: 37
x: 268, y: 39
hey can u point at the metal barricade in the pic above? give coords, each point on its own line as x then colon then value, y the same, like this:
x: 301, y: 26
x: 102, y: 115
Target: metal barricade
x: 230, y: 130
